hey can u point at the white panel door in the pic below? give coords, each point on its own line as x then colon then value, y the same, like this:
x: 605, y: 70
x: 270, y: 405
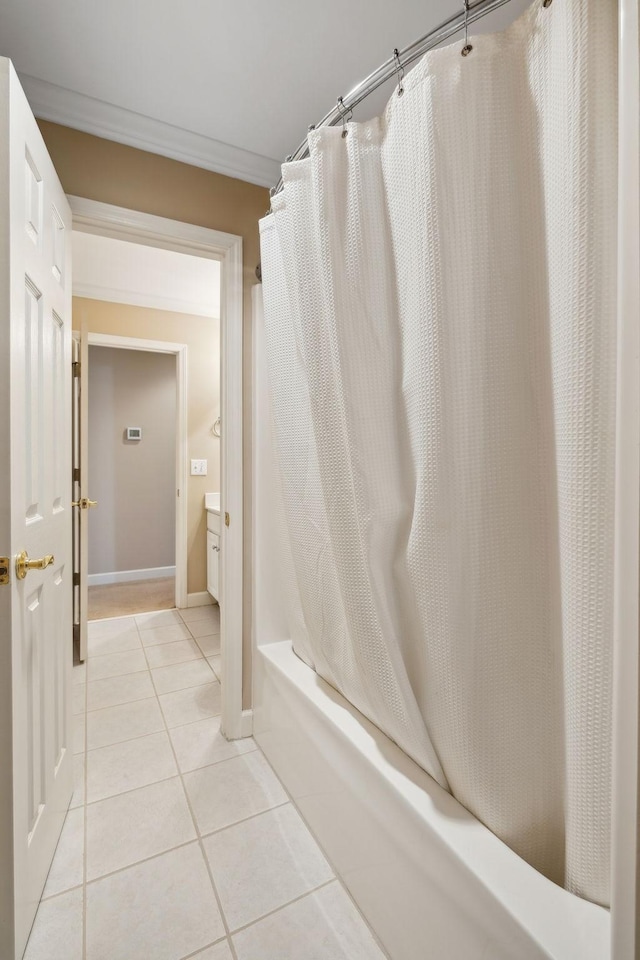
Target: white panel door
x: 35, y: 513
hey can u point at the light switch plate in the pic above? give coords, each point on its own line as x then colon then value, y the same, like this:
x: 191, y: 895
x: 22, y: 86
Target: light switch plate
x: 198, y: 468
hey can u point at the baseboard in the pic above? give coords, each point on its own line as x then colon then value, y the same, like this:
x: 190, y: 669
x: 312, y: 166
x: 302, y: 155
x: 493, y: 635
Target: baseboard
x: 125, y: 576
x: 201, y: 599
x: 246, y: 724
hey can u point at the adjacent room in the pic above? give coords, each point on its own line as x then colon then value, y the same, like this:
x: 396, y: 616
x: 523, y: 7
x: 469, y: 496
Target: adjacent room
x: 135, y: 305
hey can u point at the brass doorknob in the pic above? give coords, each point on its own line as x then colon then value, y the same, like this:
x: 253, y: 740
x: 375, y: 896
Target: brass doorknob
x: 84, y: 503
x: 23, y: 564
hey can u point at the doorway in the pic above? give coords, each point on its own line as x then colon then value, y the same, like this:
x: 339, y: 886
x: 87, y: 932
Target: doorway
x: 132, y: 467
x: 119, y: 223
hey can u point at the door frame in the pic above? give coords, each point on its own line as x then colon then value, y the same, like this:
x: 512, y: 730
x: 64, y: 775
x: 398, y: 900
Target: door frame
x: 92, y: 216
x: 180, y: 352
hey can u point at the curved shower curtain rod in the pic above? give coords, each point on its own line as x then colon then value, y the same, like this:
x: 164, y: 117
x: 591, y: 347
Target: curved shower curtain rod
x: 395, y: 66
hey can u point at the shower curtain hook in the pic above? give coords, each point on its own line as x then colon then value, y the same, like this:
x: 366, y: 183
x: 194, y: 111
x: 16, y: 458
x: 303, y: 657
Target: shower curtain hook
x: 466, y: 50
x: 345, y: 116
x: 399, y: 71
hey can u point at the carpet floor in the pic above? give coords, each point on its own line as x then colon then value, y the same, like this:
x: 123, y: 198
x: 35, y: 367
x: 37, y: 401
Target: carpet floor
x: 136, y: 596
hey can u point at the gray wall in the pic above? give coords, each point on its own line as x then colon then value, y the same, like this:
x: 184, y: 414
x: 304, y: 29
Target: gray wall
x: 133, y: 526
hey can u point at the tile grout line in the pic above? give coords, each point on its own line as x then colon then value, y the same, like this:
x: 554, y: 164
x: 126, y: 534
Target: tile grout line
x: 338, y: 878
x: 252, y: 816
x: 200, y: 950
x: 161, y: 853
x: 283, y: 906
x: 223, y: 916
x: 160, y: 666
x: 149, y: 670
x: 123, y: 703
x: 189, y: 686
x: 86, y: 792
x: 135, y: 616
x: 150, y: 613
x: 135, y: 700
x: 202, y: 837
x: 114, y: 653
x: 163, y: 666
x: 165, y: 728
x: 334, y: 879
x: 137, y: 863
x: 85, y: 851
x: 181, y: 663
x: 178, y: 726
x: 199, y: 836
x: 264, y: 916
x: 62, y: 893
x: 152, y: 783
x: 197, y: 829
x: 83, y: 756
x: 167, y: 626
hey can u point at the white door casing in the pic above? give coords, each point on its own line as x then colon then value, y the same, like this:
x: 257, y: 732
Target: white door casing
x: 35, y: 512
x: 107, y: 220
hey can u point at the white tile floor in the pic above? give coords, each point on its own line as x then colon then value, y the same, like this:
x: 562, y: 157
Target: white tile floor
x: 177, y: 843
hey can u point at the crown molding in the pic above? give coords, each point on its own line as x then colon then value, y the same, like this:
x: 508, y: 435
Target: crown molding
x: 71, y: 109
x: 135, y: 298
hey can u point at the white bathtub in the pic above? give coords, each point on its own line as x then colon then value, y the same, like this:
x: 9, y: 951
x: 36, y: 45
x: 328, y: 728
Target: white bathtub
x: 433, y: 882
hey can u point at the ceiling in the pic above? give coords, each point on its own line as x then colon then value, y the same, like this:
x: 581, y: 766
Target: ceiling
x: 122, y: 272
x: 227, y: 86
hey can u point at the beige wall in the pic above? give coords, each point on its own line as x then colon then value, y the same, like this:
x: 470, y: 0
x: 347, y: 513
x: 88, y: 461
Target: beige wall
x: 132, y: 480
x: 91, y: 167
x: 202, y: 337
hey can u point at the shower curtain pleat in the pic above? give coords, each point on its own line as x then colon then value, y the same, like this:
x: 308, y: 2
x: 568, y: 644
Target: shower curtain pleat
x: 440, y: 299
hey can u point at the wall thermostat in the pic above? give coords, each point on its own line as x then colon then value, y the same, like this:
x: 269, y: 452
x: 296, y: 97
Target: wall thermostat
x: 134, y: 433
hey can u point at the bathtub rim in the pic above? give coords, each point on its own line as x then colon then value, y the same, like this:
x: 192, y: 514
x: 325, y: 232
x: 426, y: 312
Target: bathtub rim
x: 559, y: 924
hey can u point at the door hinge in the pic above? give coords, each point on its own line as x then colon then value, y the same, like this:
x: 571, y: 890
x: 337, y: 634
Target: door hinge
x: 4, y: 570
x: 75, y: 366
x: 76, y: 579
x: 227, y: 519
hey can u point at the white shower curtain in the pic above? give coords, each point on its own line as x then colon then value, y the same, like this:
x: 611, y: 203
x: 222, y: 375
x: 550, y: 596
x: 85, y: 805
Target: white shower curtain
x: 440, y: 301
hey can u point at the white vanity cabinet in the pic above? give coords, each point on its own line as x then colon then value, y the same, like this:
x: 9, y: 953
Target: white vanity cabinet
x: 213, y: 549
x: 213, y: 564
